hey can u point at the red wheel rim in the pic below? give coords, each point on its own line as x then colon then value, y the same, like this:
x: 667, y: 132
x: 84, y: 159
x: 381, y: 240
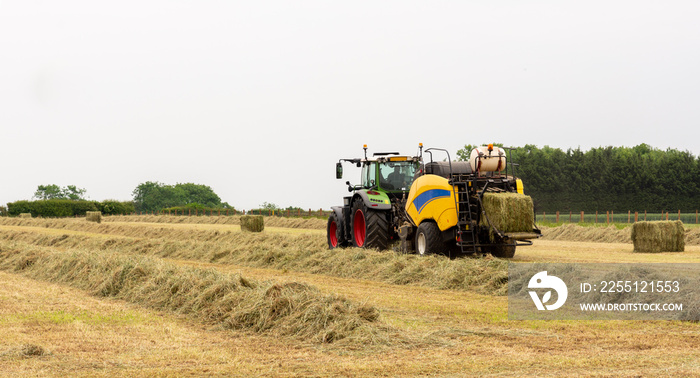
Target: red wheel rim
x: 358, y: 228
x: 332, y: 234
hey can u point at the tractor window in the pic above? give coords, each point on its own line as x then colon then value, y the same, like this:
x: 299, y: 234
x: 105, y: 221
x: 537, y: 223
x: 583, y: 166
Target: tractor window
x: 397, y: 175
x: 369, y: 172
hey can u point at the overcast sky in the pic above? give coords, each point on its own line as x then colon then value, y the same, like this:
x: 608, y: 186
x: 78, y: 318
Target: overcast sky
x: 259, y: 99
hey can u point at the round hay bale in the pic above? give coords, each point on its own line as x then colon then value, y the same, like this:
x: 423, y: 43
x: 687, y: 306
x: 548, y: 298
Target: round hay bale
x: 252, y: 223
x: 93, y: 216
x: 659, y: 236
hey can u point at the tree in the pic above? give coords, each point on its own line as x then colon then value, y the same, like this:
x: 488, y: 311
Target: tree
x: 201, y: 194
x: 270, y: 206
x: 154, y: 196
x: 70, y: 192
x: 44, y: 192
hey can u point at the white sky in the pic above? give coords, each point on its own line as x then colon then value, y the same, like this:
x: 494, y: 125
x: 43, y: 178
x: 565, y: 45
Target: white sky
x: 259, y: 99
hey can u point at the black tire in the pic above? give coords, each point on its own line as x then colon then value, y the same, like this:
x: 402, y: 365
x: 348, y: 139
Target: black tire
x: 428, y: 239
x: 370, y: 228
x: 504, y: 251
x: 334, y: 234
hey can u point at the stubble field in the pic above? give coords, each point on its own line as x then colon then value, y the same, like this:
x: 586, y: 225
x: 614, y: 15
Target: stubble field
x: 160, y: 296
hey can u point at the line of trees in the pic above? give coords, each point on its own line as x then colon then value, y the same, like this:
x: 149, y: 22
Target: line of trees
x: 607, y: 178
x: 55, y: 201
x: 68, y: 208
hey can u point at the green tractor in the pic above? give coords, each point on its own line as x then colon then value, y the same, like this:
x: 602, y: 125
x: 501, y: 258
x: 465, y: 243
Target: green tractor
x: 367, y: 218
x: 433, y: 207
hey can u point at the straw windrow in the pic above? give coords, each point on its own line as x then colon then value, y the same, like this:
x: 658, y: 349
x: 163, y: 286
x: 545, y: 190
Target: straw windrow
x: 228, y: 300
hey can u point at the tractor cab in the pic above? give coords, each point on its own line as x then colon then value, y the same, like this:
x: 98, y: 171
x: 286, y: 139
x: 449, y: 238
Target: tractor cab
x: 391, y: 174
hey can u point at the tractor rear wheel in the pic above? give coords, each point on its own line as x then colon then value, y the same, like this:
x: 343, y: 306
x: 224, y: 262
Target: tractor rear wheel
x: 370, y: 228
x: 428, y: 239
x: 334, y: 235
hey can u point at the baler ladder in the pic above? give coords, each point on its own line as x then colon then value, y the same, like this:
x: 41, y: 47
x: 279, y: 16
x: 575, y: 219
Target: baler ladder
x: 466, y: 227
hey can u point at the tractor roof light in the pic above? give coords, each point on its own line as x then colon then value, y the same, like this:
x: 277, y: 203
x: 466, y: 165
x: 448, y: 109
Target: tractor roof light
x: 490, y: 146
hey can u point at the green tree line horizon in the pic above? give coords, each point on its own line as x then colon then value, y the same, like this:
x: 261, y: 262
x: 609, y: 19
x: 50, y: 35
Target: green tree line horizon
x: 55, y: 201
x: 620, y: 179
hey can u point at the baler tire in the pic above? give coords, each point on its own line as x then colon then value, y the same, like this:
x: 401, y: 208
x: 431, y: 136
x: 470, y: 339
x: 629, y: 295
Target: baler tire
x: 428, y: 240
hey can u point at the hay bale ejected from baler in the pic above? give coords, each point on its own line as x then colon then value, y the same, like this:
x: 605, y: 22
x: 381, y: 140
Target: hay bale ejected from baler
x: 93, y: 216
x: 252, y: 223
x: 660, y: 236
x: 508, y: 212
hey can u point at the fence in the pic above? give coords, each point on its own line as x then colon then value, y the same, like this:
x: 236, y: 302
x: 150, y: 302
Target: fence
x: 228, y: 212
x: 612, y: 217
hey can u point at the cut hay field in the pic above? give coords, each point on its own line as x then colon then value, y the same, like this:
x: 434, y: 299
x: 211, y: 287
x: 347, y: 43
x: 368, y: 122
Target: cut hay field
x: 151, y: 297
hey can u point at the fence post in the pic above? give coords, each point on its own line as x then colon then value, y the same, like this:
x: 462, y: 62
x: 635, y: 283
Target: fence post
x: 582, y: 217
x: 544, y: 216
x: 636, y: 216
x: 667, y: 215
x: 612, y: 216
x: 679, y: 214
x: 596, y: 217
x: 645, y: 215
x: 629, y: 215
x: 569, y: 216
x: 607, y: 217
x: 557, y: 217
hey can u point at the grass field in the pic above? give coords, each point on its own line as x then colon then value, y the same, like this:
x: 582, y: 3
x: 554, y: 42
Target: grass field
x: 435, y: 316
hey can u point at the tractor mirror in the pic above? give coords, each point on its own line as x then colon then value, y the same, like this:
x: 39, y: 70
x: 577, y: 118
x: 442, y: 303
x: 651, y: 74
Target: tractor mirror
x: 339, y: 170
